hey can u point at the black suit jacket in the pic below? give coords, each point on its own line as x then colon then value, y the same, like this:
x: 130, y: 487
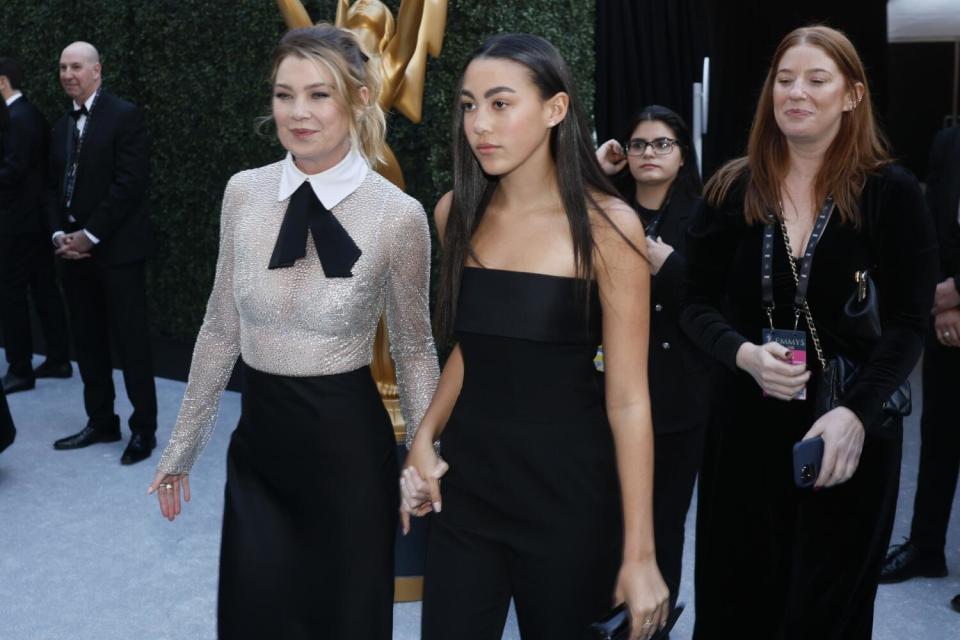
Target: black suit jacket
x: 943, y: 198
x: 680, y: 374
x: 23, y: 159
x: 109, y: 198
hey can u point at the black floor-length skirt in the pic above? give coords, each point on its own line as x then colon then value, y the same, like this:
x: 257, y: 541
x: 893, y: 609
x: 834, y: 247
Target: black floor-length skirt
x: 310, y: 512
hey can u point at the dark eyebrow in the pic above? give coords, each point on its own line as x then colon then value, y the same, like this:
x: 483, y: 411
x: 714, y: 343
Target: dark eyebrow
x: 488, y: 92
x: 496, y: 90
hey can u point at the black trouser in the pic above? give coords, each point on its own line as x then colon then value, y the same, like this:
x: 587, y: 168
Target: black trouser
x: 676, y: 459
x: 109, y: 302
x: 26, y: 265
x: 939, y: 446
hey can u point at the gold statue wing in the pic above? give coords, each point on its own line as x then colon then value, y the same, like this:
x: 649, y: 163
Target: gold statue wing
x: 294, y: 14
x: 401, y: 48
x: 409, y: 96
x: 342, y: 7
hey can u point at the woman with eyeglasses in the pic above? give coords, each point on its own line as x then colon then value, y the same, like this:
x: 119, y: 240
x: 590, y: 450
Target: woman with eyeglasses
x: 655, y: 169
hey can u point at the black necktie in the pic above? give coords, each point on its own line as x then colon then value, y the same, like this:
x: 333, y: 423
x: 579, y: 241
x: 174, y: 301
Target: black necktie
x: 82, y: 111
x: 335, y: 248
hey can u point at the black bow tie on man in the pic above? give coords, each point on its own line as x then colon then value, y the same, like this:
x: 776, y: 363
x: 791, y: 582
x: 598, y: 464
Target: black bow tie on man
x: 82, y: 111
x: 335, y: 248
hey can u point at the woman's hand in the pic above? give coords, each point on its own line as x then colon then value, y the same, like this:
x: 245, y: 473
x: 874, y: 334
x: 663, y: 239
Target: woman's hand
x: 946, y: 324
x: 167, y: 486
x: 770, y: 365
x: 641, y: 587
x: 611, y: 157
x: 657, y: 251
x: 842, y: 434
x: 420, y: 482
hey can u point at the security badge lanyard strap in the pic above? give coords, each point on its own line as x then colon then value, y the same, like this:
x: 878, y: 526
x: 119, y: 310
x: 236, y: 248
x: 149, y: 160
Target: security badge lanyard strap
x: 74, y: 145
x: 802, y: 279
x: 651, y: 229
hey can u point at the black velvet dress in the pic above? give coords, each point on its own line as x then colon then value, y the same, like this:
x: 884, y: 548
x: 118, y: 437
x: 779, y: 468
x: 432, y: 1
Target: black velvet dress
x: 774, y: 561
x: 531, y: 503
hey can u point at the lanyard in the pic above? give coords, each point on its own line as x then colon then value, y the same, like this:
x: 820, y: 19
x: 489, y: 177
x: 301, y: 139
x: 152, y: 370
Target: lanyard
x: 73, y: 152
x: 651, y: 229
x: 803, y: 278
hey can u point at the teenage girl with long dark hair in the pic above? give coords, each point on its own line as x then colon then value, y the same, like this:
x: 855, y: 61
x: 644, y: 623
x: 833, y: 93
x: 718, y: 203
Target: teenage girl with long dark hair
x: 547, y: 497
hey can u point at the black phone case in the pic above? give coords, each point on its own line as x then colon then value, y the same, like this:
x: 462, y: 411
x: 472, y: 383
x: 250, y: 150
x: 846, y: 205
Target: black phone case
x: 616, y: 624
x: 807, y: 460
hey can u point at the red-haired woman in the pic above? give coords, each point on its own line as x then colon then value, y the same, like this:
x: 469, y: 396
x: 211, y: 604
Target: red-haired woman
x: 817, y: 189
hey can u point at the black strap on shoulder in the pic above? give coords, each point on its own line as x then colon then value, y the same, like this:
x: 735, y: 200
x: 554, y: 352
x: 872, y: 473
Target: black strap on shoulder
x: 766, y: 257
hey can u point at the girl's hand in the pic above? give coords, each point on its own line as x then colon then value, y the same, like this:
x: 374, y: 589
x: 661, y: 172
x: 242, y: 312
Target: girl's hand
x: 641, y: 587
x: 611, y: 157
x: 420, y: 482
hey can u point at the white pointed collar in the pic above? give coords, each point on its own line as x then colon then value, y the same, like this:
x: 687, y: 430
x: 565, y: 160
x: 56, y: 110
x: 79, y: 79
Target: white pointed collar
x: 332, y: 185
x: 88, y: 103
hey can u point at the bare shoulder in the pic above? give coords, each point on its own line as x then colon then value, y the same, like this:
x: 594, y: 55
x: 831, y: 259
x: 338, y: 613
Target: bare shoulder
x: 616, y: 226
x: 442, y: 212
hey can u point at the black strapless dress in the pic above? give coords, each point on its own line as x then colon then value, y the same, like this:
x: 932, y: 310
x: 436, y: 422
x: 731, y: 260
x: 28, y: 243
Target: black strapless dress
x: 531, y: 503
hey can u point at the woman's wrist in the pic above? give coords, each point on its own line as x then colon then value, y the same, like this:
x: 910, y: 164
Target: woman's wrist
x: 745, y: 355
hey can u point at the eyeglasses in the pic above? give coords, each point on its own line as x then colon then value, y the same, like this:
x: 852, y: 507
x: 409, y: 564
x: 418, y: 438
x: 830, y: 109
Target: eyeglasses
x: 661, y: 146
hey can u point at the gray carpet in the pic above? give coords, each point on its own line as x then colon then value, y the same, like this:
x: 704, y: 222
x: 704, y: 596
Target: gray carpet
x: 85, y: 554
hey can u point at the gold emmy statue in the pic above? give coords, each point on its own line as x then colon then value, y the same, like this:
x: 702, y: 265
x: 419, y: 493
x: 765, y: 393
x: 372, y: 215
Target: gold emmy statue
x: 400, y: 47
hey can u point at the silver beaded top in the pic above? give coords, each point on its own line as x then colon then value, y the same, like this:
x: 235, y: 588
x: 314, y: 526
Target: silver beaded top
x: 298, y: 322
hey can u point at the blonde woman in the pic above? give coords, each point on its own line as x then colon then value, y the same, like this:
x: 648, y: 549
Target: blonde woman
x: 312, y: 248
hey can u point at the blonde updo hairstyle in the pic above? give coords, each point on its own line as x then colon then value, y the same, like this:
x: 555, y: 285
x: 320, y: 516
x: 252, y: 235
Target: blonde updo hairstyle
x: 351, y: 69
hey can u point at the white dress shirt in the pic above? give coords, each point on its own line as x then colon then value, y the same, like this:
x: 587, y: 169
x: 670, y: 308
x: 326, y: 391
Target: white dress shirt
x: 13, y: 98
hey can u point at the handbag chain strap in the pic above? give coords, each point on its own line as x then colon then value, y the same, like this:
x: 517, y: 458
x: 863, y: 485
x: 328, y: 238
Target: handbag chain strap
x: 806, y: 305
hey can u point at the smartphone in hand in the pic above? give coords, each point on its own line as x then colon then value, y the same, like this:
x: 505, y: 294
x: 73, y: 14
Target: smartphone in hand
x: 807, y: 461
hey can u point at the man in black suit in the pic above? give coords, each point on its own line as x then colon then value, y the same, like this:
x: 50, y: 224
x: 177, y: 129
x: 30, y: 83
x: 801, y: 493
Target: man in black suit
x: 923, y: 553
x: 26, y: 257
x: 96, y: 203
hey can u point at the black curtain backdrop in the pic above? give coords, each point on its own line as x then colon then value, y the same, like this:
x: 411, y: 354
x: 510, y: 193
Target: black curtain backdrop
x: 648, y: 52
x: 651, y: 51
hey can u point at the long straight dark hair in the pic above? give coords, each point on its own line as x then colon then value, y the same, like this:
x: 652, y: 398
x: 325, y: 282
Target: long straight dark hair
x: 579, y: 176
x: 688, y: 181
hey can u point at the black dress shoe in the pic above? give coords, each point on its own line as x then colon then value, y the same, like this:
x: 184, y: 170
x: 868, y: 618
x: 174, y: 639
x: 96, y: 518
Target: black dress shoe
x: 907, y: 560
x: 13, y: 383
x: 138, y: 448
x: 87, y: 437
x: 53, y: 370
x: 955, y: 603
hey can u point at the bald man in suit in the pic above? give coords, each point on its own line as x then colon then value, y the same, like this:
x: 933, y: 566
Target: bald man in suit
x: 96, y: 204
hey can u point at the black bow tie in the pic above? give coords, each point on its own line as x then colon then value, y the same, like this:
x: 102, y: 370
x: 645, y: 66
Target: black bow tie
x: 335, y: 248
x: 82, y: 111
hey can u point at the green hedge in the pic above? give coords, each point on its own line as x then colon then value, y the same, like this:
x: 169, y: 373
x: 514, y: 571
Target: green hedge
x: 199, y: 69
